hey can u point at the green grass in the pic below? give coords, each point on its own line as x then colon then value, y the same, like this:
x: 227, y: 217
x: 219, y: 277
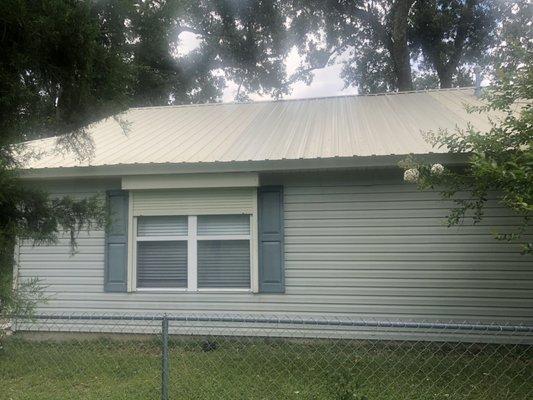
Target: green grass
x: 254, y: 369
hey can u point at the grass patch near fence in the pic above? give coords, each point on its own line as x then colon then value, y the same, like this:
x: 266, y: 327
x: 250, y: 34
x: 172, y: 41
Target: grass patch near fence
x: 252, y: 369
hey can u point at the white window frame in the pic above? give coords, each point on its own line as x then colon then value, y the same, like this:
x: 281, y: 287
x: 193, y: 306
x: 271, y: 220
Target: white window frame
x: 192, y: 239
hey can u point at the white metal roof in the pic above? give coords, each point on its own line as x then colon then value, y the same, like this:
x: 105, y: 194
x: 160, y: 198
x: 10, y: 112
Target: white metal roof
x: 347, y: 126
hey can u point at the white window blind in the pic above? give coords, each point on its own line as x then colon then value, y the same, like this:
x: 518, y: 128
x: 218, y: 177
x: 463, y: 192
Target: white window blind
x: 224, y: 264
x: 162, y: 264
x: 223, y: 225
x: 220, y: 246
x: 161, y: 255
x: 162, y: 226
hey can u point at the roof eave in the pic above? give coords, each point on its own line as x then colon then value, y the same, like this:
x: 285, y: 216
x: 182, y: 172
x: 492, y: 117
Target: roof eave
x: 119, y: 170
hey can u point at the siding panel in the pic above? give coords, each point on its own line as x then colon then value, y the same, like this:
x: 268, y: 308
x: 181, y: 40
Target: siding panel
x: 352, y: 249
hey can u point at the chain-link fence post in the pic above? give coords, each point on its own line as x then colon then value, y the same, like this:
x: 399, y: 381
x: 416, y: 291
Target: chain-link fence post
x: 164, y: 369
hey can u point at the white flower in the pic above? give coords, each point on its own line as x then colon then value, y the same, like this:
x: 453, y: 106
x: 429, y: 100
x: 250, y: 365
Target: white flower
x: 437, y: 169
x: 411, y: 175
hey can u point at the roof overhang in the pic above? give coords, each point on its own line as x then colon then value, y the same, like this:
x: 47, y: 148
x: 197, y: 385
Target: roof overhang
x: 190, y: 181
x: 285, y: 165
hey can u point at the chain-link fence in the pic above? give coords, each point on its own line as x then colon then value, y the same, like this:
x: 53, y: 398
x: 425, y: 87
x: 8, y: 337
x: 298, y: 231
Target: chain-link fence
x: 262, y: 357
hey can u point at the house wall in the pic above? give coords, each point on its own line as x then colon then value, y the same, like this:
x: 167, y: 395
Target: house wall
x: 357, y: 244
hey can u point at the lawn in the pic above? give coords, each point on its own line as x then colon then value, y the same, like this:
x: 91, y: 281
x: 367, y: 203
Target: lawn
x: 256, y: 369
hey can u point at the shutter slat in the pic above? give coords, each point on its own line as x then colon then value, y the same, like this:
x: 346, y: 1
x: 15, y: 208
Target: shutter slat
x: 271, y: 240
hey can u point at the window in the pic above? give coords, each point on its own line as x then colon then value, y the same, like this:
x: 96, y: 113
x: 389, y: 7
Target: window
x: 194, y: 252
x: 162, y: 252
x: 223, y: 251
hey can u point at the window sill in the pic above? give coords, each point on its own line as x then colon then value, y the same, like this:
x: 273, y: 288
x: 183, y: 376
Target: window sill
x: 178, y: 290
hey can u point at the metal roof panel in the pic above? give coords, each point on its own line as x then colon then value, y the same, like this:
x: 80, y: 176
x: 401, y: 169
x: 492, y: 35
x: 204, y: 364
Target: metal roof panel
x: 344, y: 126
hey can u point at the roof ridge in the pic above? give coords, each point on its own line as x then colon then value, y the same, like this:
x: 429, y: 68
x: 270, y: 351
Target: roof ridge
x: 304, y: 98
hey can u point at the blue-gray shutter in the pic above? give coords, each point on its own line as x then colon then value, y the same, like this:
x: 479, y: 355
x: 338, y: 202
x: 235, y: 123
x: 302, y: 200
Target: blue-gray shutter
x: 271, y: 257
x: 116, y: 242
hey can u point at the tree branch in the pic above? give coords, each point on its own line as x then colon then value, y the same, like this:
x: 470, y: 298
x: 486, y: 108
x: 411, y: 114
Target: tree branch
x: 372, y: 20
x: 190, y: 29
x: 300, y: 73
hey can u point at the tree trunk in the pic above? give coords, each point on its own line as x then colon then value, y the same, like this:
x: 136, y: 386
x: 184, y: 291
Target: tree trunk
x: 402, y: 68
x: 398, y: 48
x: 446, y: 64
x: 446, y: 77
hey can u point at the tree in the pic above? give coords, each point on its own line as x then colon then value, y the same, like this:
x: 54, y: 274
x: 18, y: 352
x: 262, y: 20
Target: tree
x: 374, y: 36
x: 500, y: 161
x: 50, y: 71
x: 245, y: 39
x: 242, y: 41
x: 451, y: 34
x: 379, y: 42
x: 67, y: 63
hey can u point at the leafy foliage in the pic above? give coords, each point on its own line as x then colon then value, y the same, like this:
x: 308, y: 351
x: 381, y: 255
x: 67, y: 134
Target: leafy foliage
x: 390, y: 45
x: 66, y: 64
x: 500, y: 160
x: 245, y: 39
x: 369, y: 38
x: 450, y: 37
x: 23, y: 300
x: 30, y: 214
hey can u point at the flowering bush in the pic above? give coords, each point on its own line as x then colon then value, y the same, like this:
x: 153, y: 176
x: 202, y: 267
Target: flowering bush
x: 437, y: 169
x: 411, y: 175
x: 499, y: 161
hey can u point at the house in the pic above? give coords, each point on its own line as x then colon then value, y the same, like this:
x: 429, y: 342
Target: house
x: 292, y: 207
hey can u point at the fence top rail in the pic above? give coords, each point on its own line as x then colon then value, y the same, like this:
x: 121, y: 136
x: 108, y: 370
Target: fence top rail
x: 371, y: 323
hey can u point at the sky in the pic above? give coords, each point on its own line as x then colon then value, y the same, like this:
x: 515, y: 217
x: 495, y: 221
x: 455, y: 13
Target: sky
x: 326, y: 81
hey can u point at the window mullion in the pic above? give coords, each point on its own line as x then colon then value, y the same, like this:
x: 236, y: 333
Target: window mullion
x: 192, y: 275
x: 224, y: 237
